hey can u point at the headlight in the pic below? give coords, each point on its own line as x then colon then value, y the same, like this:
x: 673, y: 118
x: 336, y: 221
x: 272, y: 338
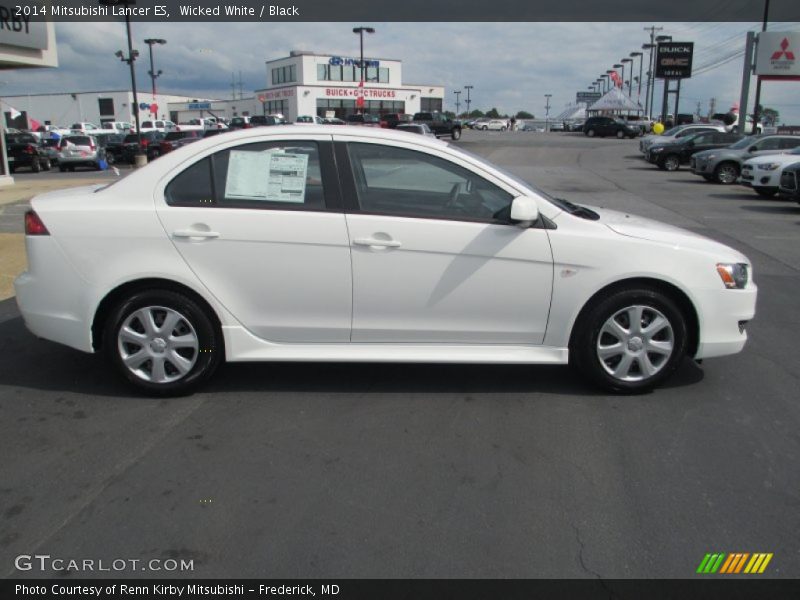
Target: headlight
x: 657, y: 149
x: 710, y: 157
x: 769, y: 166
x: 733, y: 275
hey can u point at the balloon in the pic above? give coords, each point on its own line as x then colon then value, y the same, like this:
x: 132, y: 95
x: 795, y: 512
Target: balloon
x: 658, y: 128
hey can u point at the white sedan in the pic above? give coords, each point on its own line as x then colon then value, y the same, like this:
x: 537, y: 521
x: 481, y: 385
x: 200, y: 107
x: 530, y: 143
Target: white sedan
x: 493, y: 125
x: 763, y: 173
x: 327, y: 243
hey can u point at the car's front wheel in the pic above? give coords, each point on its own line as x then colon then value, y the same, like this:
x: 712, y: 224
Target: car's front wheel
x: 630, y: 341
x: 727, y: 172
x: 456, y: 134
x: 162, y: 342
x: 620, y: 134
x: 590, y: 133
x: 672, y: 163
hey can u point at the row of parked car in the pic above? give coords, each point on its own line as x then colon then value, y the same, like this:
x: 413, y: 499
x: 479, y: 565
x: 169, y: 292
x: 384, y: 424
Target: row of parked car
x: 767, y: 163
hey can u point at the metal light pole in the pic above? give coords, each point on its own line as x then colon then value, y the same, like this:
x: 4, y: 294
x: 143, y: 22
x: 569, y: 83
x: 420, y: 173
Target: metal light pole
x: 547, y: 112
x: 640, y: 55
x: 604, y: 77
x: 152, y: 72
x: 360, y: 31
x: 458, y: 104
x: 630, y: 76
x: 468, y: 88
x: 648, y: 101
x: 140, y: 159
x: 665, y: 101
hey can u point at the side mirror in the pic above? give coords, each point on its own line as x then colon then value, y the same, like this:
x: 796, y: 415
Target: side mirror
x: 524, y: 211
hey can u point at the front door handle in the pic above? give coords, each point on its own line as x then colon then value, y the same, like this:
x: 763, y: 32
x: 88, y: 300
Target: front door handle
x: 377, y: 243
x: 194, y: 233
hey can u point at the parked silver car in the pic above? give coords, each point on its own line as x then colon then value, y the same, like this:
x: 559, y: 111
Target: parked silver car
x: 676, y: 133
x: 80, y: 151
x: 725, y: 165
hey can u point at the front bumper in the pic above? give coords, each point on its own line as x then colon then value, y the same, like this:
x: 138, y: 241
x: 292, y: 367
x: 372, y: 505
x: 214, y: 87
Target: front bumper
x: 723, y: 316
x: 757, y: 178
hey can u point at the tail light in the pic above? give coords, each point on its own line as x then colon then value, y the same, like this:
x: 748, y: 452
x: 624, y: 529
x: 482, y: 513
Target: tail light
x: 166, y: 146
x: 385, y: 124
x: 34, y: 225
x: 145, y: 142
x: 30, y: 149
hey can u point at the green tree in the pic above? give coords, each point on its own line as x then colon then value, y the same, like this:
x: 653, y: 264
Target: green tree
x: 524, y: 115
x: 770, y: 114
x: 476, y: 114
x: 493, y: 114
x: 449, y: 114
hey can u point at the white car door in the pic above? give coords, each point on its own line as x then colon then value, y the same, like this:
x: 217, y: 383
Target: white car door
x: 263, y: 230
x: 435, y: 256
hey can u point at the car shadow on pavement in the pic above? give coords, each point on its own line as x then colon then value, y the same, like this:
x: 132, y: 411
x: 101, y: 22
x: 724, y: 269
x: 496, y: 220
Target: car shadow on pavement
x: 46, y: 366
x: 784, y: 209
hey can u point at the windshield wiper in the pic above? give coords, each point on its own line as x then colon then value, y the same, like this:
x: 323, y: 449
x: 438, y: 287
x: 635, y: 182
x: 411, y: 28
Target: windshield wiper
x: 578, y: 210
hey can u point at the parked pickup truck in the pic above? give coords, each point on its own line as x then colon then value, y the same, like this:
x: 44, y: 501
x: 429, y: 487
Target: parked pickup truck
x: 439, y: 124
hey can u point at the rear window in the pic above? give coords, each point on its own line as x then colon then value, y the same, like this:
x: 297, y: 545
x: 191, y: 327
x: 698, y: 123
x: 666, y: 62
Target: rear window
x: 79, y: 140
x: 130, y: 139
x: 175, y: 135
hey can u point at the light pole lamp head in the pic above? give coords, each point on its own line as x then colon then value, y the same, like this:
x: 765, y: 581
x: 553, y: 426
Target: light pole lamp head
x: 664, y: 38
x: 617, y: 66
x: 648, y: 46
x: 363, y: 30
x: 151, y: 41
x: 119, y: 54
x: 635, y: 54
x: 626, y: 60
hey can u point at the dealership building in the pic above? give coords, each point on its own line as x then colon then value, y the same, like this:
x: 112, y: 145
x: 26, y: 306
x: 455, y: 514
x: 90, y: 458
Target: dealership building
x: 23, y: 45
x: 326, y: 85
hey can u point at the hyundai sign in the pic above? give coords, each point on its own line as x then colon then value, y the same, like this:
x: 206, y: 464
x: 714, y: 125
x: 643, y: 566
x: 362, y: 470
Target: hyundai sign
x: 674, y: 60
x: 778, y: 55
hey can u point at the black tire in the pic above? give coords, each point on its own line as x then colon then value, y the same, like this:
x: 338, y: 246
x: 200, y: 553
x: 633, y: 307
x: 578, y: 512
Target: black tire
x: 456, y: 134
x: 110, y: 159
x: 62, y: 168
x: 46, y: 165
x: 485, y: 128
x: 590, y: 133
x: 766, y: 192
x: 36, y: 166
x: 620, y: 134
x: 725, y: 171
x: 671, y: 162
x: 207, y: 357
x: 708, y: 177
x: 584, y: 353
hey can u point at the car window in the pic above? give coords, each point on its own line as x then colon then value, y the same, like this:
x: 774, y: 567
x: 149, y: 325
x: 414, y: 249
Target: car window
x: 789, y: 143
x: 401, y: 182
x: 277, y: 175
x: 769, y: 144
x: 705, y: 138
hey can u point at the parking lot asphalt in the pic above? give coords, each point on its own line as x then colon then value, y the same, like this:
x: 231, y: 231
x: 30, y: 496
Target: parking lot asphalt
x: 381, y: 470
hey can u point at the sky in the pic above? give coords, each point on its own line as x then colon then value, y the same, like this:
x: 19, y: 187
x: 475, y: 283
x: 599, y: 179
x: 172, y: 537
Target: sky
x: 511, y: 65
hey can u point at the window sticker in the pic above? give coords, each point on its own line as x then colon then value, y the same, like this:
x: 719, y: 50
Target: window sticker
x: 272, y: 175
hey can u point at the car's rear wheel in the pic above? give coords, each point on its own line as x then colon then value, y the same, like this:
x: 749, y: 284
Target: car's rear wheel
x: 456, y: 134
x: 620, y: 134
x: 726, y: 172
x: 630, y: 341
x: 590, y: 133
x: 485, y: 127
x: 162, y: 342
x: 672, y: 163
x: 46, y: 165
x: 36, y: 166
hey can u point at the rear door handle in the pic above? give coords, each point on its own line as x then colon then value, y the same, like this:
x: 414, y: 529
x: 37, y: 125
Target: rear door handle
x: 376, y: 243
x: 195, y: 233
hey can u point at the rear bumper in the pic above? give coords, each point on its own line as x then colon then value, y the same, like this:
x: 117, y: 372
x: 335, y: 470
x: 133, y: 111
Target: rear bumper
x: 60, y: 316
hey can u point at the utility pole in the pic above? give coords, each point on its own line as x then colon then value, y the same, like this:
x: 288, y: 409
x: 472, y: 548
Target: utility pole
x: 458, y: 94
x: 547, y: 112
x: 651, y: 84
x: 233, y: 85
x: 468, y: 88
x: 712, y: 106
x: 241, y: 93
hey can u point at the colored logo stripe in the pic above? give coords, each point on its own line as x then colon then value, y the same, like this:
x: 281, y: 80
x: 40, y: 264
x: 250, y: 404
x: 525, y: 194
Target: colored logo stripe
x: 734, y: 562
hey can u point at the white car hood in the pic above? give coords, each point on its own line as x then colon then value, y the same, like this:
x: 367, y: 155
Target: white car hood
x: 656, y: 231
x: 781, y: 159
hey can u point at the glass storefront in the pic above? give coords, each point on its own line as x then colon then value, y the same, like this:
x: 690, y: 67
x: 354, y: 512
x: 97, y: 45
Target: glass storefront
x: 342, y: 108
x: 277, y: 107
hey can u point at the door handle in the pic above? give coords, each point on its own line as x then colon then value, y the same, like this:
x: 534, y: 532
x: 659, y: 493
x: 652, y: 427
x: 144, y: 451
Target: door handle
x: 194, y: 233
x: 376, y: 243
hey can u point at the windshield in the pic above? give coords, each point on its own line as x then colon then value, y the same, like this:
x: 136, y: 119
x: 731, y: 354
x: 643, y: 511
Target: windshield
x: 743, y: 143
x: 674, y: 130
x: 795, y: 151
